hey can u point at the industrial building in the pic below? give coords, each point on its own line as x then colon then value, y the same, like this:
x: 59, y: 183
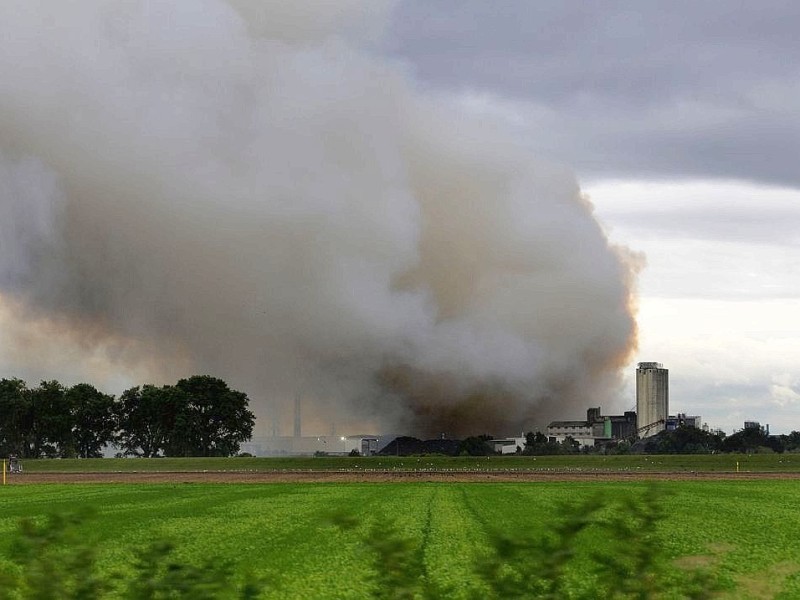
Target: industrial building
x: 650, y: 417
x: 365, y: 445
x: 510, y: 445
x: 309, y: 445
x: 652, y: 398
x: 684, y: 420
x: 580, y: 431
x: 595, y: 429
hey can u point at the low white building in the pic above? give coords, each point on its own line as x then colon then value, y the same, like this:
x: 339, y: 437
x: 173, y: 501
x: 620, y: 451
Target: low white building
x: 365, y: 445
x: 510, y: 445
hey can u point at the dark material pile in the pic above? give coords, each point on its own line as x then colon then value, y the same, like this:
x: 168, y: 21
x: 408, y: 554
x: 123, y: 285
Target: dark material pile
x: 409, y: 446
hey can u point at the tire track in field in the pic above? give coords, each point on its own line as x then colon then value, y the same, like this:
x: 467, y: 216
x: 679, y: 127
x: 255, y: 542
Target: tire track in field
x: 485, y: 527
x: 449, y: 546
x: 427, y: 529
x: 427, y: 526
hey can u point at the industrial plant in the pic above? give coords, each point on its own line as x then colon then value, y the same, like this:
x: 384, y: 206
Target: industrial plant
x: 650, y: 417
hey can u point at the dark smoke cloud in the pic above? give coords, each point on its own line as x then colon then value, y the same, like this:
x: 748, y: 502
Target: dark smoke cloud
x: 243, y: 189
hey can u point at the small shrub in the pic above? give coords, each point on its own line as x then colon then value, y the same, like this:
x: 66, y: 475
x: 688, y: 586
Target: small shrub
x: 56, y: 561
x: 631, y: 565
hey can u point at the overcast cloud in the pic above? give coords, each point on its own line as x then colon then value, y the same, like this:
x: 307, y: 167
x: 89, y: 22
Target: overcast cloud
x: 680, y: 119
x: 626, y: 88
x: 341, y: 165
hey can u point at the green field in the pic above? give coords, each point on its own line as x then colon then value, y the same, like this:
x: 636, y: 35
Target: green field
x: 590, y: 463
x: 745, y: 531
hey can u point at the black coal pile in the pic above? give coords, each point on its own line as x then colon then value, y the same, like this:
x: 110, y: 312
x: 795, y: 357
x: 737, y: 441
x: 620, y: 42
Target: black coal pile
x: 410, y: 446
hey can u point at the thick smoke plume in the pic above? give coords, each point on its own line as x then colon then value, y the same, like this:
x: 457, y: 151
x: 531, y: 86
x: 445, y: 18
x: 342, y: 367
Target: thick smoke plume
x: 246, y: 189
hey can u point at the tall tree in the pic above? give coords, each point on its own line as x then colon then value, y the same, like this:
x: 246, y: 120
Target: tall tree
x: 94, y: 419
x: 750, y: 440
x: 476, y: 446
x: 14, y: 416
x: 538, y: 443
x: 179, y: 422
x: 50, y: 422
x: 220, y: 419
x: 143, y: 422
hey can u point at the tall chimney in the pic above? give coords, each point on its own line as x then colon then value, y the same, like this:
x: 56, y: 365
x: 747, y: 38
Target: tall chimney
x: 297, y: 433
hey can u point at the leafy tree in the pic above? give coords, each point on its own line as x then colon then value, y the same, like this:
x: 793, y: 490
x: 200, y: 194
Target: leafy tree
x: 200, y: 416
x: 180, y: 423
x: 791, y: 442
x: 618, y: 447
x: 570, y: 445
x: 477, y: 446
x: 684, y: 440
x: 143, y: 417
x: 776, y: 443
x: 750, y: 440
x: 49, y: 430
x: 538, y: 444
x: 14, y: 409
x: 94, y: 419
x: 218, y: 418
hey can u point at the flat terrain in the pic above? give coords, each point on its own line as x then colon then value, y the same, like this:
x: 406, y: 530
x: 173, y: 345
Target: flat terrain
x: 273, y: 517
x: 510, y: 465
x: 396, y: 476
x: 745, y: 529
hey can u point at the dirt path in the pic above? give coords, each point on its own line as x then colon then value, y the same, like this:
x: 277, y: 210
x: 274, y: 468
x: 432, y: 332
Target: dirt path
x: 380, y: 477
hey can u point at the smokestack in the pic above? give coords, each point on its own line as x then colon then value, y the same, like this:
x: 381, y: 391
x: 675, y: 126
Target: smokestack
x: 252, y: 191
x: 297, y: 428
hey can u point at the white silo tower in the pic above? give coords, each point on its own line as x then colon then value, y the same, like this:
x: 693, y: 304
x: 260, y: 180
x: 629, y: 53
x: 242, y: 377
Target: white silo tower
x: 652, y: 398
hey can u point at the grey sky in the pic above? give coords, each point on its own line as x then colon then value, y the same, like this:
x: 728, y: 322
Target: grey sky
x: 681, y: 118
x: 637, y: 88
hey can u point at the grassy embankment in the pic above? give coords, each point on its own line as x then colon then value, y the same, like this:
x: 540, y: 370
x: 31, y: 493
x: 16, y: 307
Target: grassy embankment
x: 590, y: 463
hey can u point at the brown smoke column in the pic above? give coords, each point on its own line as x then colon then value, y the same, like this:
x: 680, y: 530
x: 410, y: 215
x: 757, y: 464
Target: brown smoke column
x: 244, y: 189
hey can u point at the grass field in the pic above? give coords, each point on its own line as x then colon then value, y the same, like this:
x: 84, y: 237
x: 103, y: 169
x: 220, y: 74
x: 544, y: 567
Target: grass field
x: 622, y: 463
x: 746, y: 531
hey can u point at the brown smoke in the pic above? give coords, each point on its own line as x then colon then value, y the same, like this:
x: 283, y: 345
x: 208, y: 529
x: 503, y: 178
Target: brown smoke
x: 243, y: 189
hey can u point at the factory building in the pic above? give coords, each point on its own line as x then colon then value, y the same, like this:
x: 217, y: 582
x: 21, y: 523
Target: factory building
x: 650, y: 417
x: 652, y: 398
x: 596, y: 428
x: 365, y: 445
x: 684, y: 420
x: 580, y: 431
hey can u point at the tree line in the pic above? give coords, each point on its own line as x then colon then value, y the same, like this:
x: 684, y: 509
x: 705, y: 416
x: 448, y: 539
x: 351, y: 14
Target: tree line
x: 689, y: 440
x: 683, y: 440
x: 198, y: 416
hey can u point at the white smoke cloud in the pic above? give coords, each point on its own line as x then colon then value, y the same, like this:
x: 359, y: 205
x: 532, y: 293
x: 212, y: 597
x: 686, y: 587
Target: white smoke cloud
x: 245, y: 187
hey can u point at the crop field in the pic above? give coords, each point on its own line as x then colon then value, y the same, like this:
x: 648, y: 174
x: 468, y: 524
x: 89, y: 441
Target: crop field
x: 775, y: 463
x: 344, y: 540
